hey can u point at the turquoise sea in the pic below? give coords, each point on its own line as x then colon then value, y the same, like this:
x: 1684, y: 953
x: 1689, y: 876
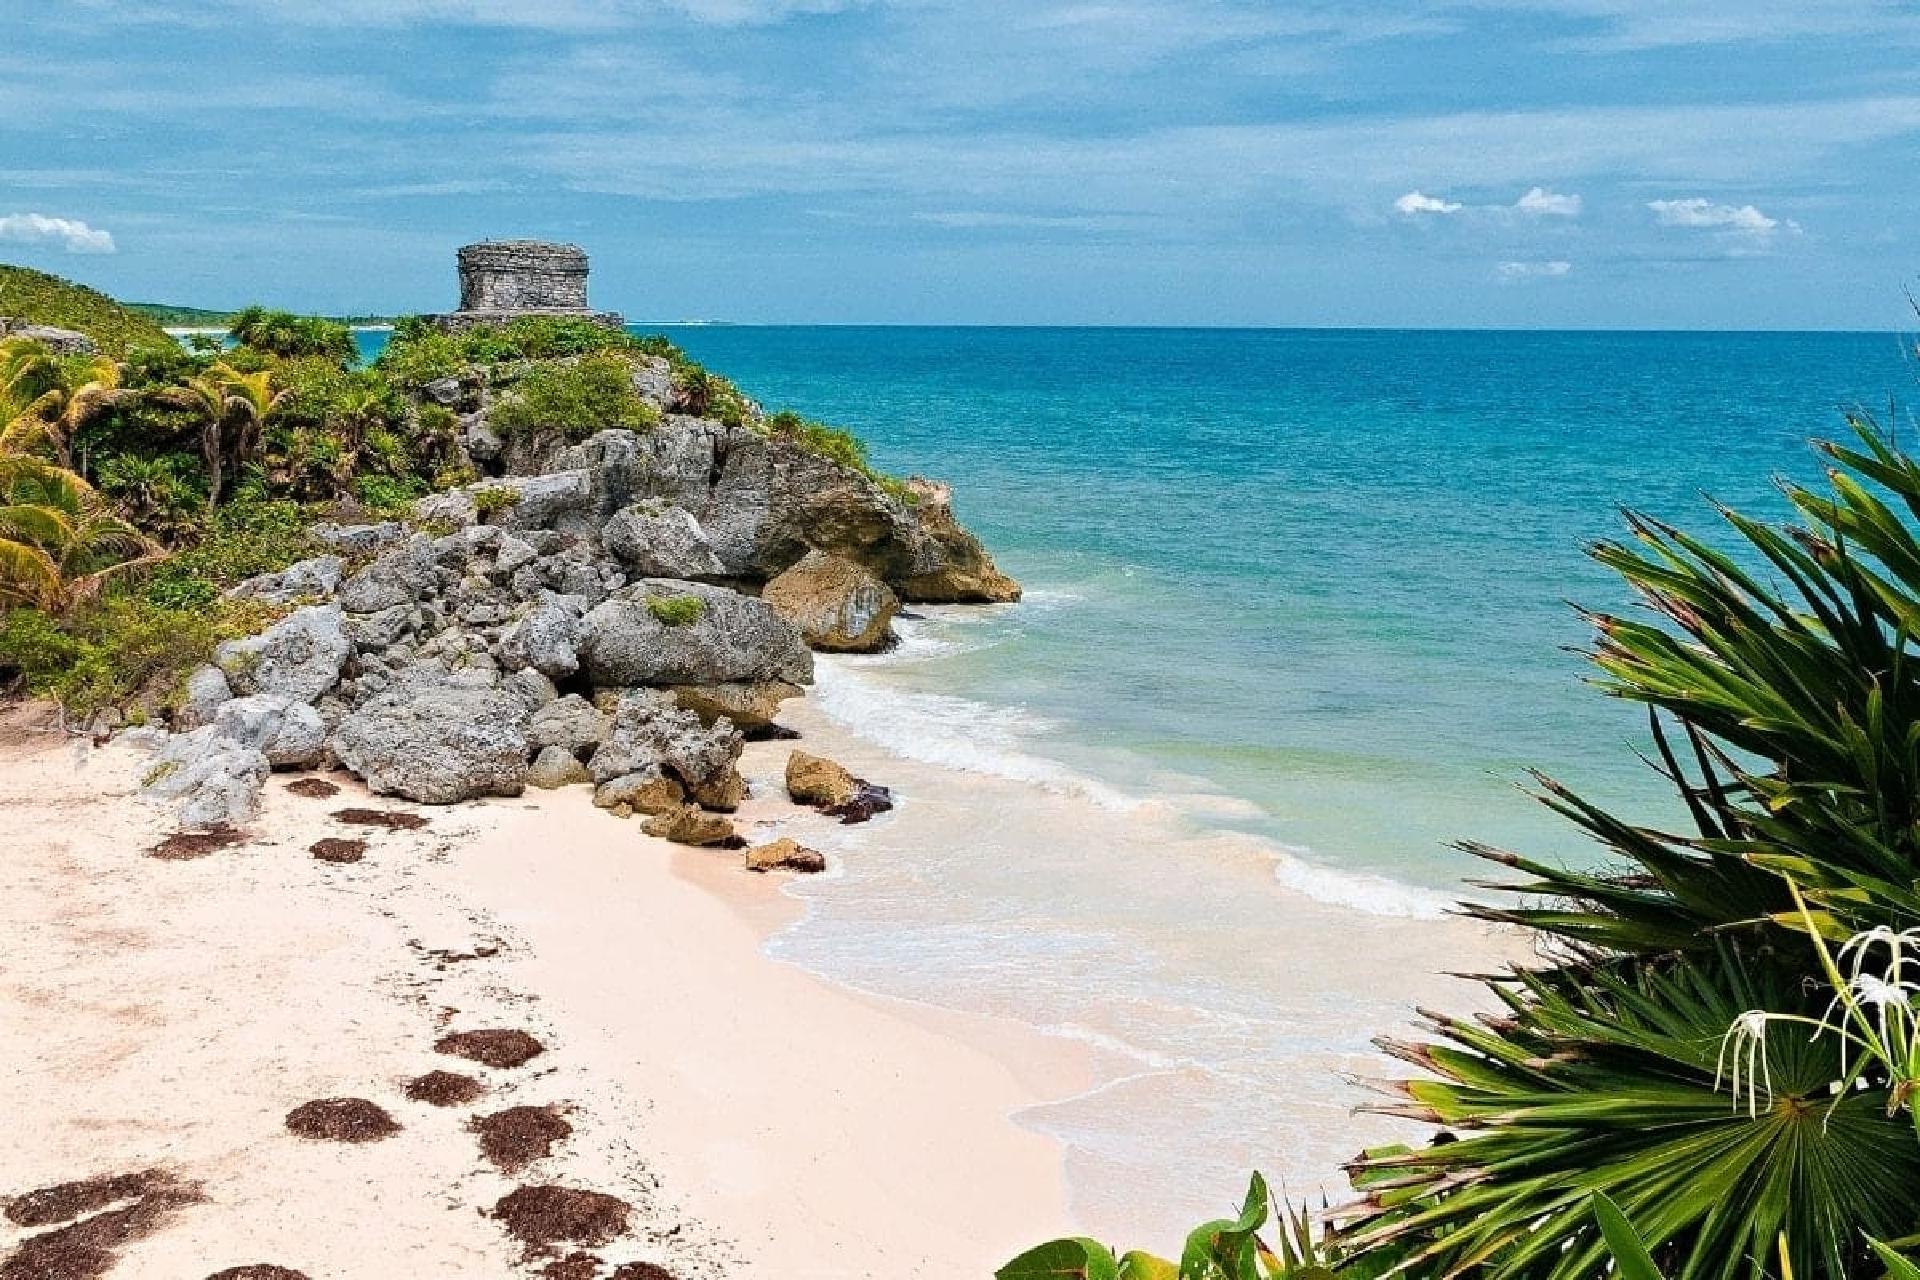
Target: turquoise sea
x: 1297, y: 616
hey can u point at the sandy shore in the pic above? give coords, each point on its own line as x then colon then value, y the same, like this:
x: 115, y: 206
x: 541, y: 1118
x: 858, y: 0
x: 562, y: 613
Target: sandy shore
x: 168, y: 1015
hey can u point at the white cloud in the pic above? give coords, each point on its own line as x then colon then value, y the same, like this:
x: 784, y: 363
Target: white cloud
x: 1415, y: 203
x: 1700, y: 212
x: 1533, y: 270
x: 69, y: 233
x: 1540, y: 202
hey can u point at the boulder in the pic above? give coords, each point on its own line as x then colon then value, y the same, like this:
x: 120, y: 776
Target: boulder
x: 553, y: 500
x: 546, y: 639
x: 570, y: 723
x: 531, y: 689
x: 402, y: 575
x: 660, y: 541
x: 750, y: 704
x: 648, y: 791
x: 206, y: 690
x: 438, y: 744
x: 668, y: 632
x: 358, y: 539
x: 837, y: 605
x: 789, y: 855
x: 649, y: 731
x: 818, y: 781
x: 298, y: 657
x: 555, y: 767
x: 948, y: 564
x: 210, y: 779
x: 315, y: 579
x: 688, y: 825
x: 290, y: 734
x: 724, y: 791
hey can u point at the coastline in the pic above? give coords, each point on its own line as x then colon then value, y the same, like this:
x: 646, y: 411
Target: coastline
x: 758, y: 1119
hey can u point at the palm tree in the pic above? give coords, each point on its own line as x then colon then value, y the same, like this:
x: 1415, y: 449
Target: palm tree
x: 47, y: 399
x: 233, y: 408
x: 59, y: 542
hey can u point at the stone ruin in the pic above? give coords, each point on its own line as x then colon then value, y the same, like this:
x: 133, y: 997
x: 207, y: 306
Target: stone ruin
x: 501, y: 280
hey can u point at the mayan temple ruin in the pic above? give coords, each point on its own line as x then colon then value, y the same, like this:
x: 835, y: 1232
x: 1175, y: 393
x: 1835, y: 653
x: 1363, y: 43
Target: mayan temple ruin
x: 503, y: 279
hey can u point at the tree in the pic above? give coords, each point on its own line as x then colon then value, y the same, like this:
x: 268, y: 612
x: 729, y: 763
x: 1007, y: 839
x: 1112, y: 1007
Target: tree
x: 233, y: 408
x: 59, y: 542
x: 46, y: 400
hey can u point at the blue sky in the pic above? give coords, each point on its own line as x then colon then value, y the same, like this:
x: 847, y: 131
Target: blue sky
x: 1727, y: 163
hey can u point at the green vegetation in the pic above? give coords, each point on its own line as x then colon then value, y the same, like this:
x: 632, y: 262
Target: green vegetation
x: 676, y: 611
x: 493, y: 499
x: 292, y: 337
x: 1723, y: 1039
x: 35, y: 296
x: 575, y: 398
x: 838, y: 446
x: 175, y: 317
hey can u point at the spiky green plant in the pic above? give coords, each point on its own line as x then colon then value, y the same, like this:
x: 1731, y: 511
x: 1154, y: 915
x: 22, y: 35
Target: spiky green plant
x: 1785, y: 675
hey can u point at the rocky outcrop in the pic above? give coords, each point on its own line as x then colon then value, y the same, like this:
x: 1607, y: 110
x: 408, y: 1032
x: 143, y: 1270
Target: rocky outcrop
x: 655, y: 540
x: 207, y: 690
x: 309, y: 580
x: 837, y: 605
x: 555, y: 767
x: 649, y: 732
x: 298, y: 657
x: 62, y: 342
x: 688, y: 825
x: 750, y: 704
x: 290, y: 734
x: 210, y: 780
x: 648, y: 791
x: 785, y: 855
x: 438, y: 744
x: 667, y: 632
x: 949, y: 565
x: 830, y: 788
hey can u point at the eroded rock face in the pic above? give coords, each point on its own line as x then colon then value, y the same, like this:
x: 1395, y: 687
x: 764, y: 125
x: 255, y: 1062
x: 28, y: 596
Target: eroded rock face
x: 626, y: 643
x: 649, y: 732
x: 315, y: 579
x: 750, y: 704
x: 546, y: 639
x: 837, y: 605
x: 62, y: 342
x: 207, y: 690
x: 555, y: 767
x: 438, y: 744
x: 785, y: 855
x: 688, y: 825
x: 655, y: 540
x: 298, y: 657
x: 570, y: 723
x: 950, y: 566
x: 290, y: 734
x: 649, y: 791
x: 211, y: 780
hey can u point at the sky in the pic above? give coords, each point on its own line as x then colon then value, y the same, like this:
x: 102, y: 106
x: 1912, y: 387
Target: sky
x: 1508, y: 163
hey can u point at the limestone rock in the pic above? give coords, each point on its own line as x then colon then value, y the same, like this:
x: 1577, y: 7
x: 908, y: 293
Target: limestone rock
x: 688, y: 825
x: 531, y: 689
x: 570, y: 723
x: 62, y: 342
x: 402, y: 575
x: 816, y: 780
x: 950, y: 565
x: 298, y: 657
x: 556, y: 767
x: 659, y: 541
x: 358, y: 539
x: 211, y: 779
x: 315, y: 579
x: 649, y: 731
x: 750, y: 704
x: 789, y: 855
x: 207, y: 689
x: 546, y: 639
x: 732, y: 638
x: 724, y: 790
x: 838, y: 605
x: 648, y: 791
x: 438, y: 744
x: 290, y: 734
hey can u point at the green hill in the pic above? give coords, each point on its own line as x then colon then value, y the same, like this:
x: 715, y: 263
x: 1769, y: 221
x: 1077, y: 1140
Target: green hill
x: 46, y: 299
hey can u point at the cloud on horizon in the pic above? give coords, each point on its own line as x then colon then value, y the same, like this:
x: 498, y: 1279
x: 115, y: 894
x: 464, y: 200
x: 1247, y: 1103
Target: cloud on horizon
x: 69, y: 234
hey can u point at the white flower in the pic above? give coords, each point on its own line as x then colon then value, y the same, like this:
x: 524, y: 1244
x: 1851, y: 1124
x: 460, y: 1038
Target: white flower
x: 1744, y: 1048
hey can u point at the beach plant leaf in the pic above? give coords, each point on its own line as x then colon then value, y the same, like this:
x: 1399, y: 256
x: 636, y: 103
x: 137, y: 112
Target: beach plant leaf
x: 1631, y: 1261
x: 1077, y: 1258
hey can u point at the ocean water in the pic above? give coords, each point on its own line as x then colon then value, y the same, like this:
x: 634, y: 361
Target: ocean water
x: 1296, y: 616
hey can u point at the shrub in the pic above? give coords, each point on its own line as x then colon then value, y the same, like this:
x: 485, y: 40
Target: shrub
x: 123, y: 652
x: 247, y: 537
x: 577, y: 399
x: 494, y: 499
x: 837, y: 445
x: 676, y: 611
x: 290, y: 336
x: 386, y: 495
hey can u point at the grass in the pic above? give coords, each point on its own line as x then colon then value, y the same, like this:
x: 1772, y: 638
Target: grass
x: 676, y: 611
x: 590, y: 394
x: 40, y: 298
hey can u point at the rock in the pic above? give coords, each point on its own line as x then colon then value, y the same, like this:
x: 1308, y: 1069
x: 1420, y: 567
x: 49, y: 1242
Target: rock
x: 556, y: 767
x: 832, y: 790
x: 207, y: 689
x: 688, y: 825
x: 213, y: 780
x: 659, y: 541
x: 751, y: 705
x: 358, y: 539
x: 949, y: 564
x: 570, y: 723
x: 554, y: 500
x: 653, y: 381
x: 837, y: 605
x: 818, y: 781
x: 546, y: 639
x: 372, y: 632
x: 290, y: 734
x: 648, y: 730
x: 402, y: 575
x: 61, y: 342
x: 438, y: 745
x: 443, y: 391
x: 731, y: 638
x: 724, y: 791
x: 784, y: 854
x: 648, y: 791
x: 530, y: 688
x: 298, y: 657
x: 315, y: 579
